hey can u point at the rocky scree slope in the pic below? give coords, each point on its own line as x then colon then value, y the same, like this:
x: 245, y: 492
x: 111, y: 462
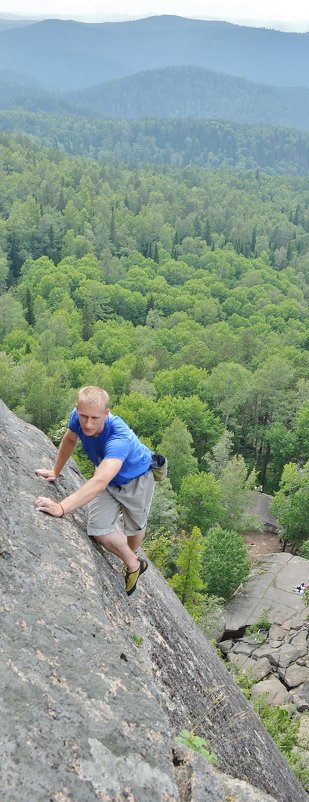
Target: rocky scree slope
x: 87, y: 713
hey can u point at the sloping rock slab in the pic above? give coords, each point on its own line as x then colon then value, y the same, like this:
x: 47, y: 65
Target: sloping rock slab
x: 86, y: 714
x: 270, y: 590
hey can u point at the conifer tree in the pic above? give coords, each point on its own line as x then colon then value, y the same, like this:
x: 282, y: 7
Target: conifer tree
x: 29, y: 310
x: 187, y: 582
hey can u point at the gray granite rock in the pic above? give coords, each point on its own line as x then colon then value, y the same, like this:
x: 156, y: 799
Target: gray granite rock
x: 288, y: 654
x: 225, y: 646
x: 253, y: 640
x: 203, y: 783
x: 264, y: 651
x: 276, y: 633
x: 274, y: 644
x: 300, y: 640
x: 296, y: 675
x: 275, y: 693
x: 247, y: 666
x: 242, y: 648
x: 300, y: 697
x: 269, y: 590
x: 238, y: 659
x: 240, y: 791
x: 261, y: 668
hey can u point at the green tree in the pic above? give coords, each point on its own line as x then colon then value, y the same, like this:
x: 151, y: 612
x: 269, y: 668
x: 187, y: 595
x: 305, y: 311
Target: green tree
x: 301, y: 430
x: 290, y: 504
x: 220, y: 453
x: 4, y: 272
x: 200, y: 501
x: 29, y: 310
x: 228, y: 388
x: 176, y: 445
x: 184, y: 381
x: 225, y: 562
x: 161, y: 548
x: 11, y: 315
x: 283, y: 447
x: 236, y: 486
x: 187, y: 582
x: 11, y: 381
x: 203, y: 425
x: 45, y: 400
x: 141, y: 413
x: 163, y: 512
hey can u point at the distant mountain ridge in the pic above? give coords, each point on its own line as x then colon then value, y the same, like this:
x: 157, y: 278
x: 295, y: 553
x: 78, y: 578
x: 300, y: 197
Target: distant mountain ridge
x: 173, y: 92
x: 7, y: 23
x: 66, y: 55
x: 196, y: 93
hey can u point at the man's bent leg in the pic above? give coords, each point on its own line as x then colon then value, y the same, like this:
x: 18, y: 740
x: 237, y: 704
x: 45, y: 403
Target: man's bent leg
x: 116, y: 544
x: 134, y: 541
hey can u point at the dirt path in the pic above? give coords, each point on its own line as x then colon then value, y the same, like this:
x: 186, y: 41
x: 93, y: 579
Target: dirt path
x: 260, y: 543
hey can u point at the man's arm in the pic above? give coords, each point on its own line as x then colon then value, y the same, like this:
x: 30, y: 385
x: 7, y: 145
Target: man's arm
x: 106, y: 471
x: 66, y: 448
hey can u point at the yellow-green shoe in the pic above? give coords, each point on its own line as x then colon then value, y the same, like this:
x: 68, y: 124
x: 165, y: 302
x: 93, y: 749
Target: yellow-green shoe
x: 132, y: 577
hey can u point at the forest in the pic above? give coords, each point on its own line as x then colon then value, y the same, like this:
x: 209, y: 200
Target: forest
x: 177, y: 92
x: 176, y: 142
x: 184, y: 292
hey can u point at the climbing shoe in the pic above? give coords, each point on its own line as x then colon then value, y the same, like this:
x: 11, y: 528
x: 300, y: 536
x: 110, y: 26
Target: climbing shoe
x: 132, y: 577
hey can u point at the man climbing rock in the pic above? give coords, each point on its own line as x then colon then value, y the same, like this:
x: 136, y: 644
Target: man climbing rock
x: 123, y: 481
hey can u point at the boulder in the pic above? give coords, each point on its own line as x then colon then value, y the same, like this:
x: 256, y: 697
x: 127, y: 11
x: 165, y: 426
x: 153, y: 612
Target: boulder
x: 242, y: 648
x: 225, y: 646
x: 261, y: 668
x: 275, y: 693
x: 263, y: 651
x: 296, y: 675
x: 289, y: 653
x: 300, y: 697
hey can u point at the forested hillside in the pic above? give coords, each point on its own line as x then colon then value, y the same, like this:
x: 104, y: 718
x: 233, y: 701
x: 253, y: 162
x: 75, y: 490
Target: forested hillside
x: 196, y: 93
x: 173, y: 92
x: 66, y: 54
x: 182, y: 291
x: 177, y: 143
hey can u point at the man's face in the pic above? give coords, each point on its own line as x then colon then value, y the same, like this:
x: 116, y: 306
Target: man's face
x: 91, y: 417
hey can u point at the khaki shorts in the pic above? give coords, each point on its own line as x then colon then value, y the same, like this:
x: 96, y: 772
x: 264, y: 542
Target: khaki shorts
x: 132, y: 501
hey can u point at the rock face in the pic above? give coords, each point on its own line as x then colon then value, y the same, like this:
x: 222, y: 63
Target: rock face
x: 259, y: 507
x: 282, y: 660
x: 93, y: 686
x: 269, y: 591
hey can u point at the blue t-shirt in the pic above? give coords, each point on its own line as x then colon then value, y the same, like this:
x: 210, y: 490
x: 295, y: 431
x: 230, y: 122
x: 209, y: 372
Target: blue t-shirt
x: 116, y: 440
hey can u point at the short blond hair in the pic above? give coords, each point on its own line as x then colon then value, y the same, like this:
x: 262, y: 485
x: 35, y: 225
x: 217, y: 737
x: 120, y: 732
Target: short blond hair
x: 93, y: 395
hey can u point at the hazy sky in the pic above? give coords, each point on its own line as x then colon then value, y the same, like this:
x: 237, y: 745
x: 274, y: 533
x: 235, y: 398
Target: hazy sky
x: 271, y: 13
